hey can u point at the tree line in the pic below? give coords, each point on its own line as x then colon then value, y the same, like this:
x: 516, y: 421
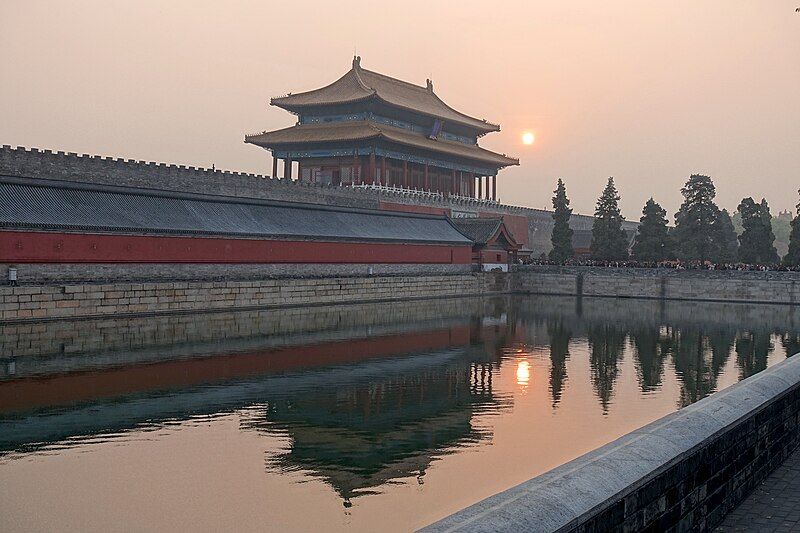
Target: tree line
x: 702, y: 231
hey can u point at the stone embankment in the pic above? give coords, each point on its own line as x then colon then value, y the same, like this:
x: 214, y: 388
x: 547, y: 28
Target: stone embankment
x: 663, y: 284
x: 36, y: 302
x: 186, y: 288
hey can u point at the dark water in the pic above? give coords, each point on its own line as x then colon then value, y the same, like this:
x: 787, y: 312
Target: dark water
x: 355, y: 417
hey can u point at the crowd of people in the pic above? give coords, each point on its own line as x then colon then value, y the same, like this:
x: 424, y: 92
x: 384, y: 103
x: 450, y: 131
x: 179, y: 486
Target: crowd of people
x: 674, y: 264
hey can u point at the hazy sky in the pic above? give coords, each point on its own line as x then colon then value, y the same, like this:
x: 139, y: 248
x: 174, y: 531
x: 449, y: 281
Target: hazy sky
x: 647, y: 92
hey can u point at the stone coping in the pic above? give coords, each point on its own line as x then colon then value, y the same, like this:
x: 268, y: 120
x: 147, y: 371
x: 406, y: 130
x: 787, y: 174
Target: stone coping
x: 571, y: 494
x: 658, y: 272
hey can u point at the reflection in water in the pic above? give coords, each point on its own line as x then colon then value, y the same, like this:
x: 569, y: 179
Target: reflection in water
x: 366, y: 433
x: 606, y: 343
x: 791, y: 343
x: 651, y: 348
x: 523, y: 373
x: 696, y: 364
x: 752, y: 349
x: 560, y: 335
x: 364, y: 399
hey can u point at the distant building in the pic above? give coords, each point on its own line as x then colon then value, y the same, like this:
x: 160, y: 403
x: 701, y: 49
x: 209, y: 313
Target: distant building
x: 370, y: 129
x: 494, y: 246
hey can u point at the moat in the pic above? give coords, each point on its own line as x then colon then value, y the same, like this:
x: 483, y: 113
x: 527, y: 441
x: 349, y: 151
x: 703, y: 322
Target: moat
x: 387, y: 415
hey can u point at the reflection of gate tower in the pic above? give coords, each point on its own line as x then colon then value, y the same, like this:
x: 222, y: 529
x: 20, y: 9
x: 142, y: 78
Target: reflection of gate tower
x: 370, y: 129
x: 362, y: 434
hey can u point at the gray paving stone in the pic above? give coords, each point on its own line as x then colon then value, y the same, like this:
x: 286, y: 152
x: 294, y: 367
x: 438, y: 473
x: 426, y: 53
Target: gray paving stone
x: 773, y: 506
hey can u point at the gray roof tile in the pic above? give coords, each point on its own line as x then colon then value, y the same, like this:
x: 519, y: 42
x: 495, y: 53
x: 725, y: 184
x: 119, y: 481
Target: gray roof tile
x: 52, y: 205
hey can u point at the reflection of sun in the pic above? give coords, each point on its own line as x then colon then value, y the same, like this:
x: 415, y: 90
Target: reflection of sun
x: 528, y: 138
x: 523, y: 373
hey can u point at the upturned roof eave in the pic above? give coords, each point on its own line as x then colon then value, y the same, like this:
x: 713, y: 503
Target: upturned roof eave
x: 481, y: 126
x: 298, y: 107
x: 506, y: 161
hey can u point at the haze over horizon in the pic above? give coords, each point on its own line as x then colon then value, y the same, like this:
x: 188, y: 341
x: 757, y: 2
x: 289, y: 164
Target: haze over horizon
x: 647, y: 93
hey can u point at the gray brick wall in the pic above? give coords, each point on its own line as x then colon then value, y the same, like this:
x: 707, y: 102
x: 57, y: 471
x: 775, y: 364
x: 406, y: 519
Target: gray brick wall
x: 66, y: 273
x: 36, y: 302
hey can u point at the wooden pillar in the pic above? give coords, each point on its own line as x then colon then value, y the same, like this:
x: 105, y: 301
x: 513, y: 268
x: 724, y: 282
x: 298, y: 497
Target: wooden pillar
x: 274, y: 166
x: 427, y: 184
x: 480, y: 187
x: 494, y: 187
x: 405, y: 174
x: 372, y: 168
x: 471, y: 181
x: 453, y: 182
x: 486, y: 192
x: 384, y: 179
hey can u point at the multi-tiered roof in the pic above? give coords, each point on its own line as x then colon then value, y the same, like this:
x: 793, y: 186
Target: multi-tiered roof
x: 365, y: 113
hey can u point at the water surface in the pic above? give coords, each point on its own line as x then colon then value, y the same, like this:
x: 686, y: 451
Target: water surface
x: 348, y: 418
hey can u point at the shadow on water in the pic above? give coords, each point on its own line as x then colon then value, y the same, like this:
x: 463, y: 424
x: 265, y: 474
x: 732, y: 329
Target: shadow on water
x: 364, y: 395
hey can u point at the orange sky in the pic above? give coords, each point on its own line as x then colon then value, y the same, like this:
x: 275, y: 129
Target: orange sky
x: 647, y: 92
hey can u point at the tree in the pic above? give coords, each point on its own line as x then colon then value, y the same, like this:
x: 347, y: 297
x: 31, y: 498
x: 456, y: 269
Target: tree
x: 756, y: 243
x: 793, y: 257
x: 609, y: 242
x: 694, y: 221
x: 725, y: 239
x: 652, y: 242
x: 562, y: 233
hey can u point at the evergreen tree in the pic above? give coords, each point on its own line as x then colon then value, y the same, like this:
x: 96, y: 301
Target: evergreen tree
x: 694, y: 221
x: 652, y: 242
x: 757, y: 240
x: 769, y: 252
x: 562, y: 234
x: 725, y: 239
x: 609, y: 241
x: 793, y: 257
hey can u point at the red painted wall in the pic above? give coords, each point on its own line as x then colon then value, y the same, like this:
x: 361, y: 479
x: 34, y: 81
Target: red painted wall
x: 491, y: 256
x: 66, y: 389
x: 421, y: 209
x: 47, y: 247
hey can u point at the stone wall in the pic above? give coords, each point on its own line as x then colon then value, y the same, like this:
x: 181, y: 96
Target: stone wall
x: 667, y: 284
x: 684, y: 471
x: 39, y: 302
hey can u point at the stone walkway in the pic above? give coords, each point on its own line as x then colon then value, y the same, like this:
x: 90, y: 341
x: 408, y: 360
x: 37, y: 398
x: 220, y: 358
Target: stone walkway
x: 774, y: 506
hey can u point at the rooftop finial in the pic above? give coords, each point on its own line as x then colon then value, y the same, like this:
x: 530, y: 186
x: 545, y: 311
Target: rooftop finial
x: 356, y: 61
x: 429, y: 83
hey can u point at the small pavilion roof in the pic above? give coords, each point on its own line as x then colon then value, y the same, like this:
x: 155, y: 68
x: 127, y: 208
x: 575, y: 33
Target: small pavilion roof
x: 355, y: 130
x: 360, y: 84
x: 483, y: 231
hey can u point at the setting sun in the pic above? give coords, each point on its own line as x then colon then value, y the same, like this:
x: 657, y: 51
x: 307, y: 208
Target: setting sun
x: 528, y: 138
